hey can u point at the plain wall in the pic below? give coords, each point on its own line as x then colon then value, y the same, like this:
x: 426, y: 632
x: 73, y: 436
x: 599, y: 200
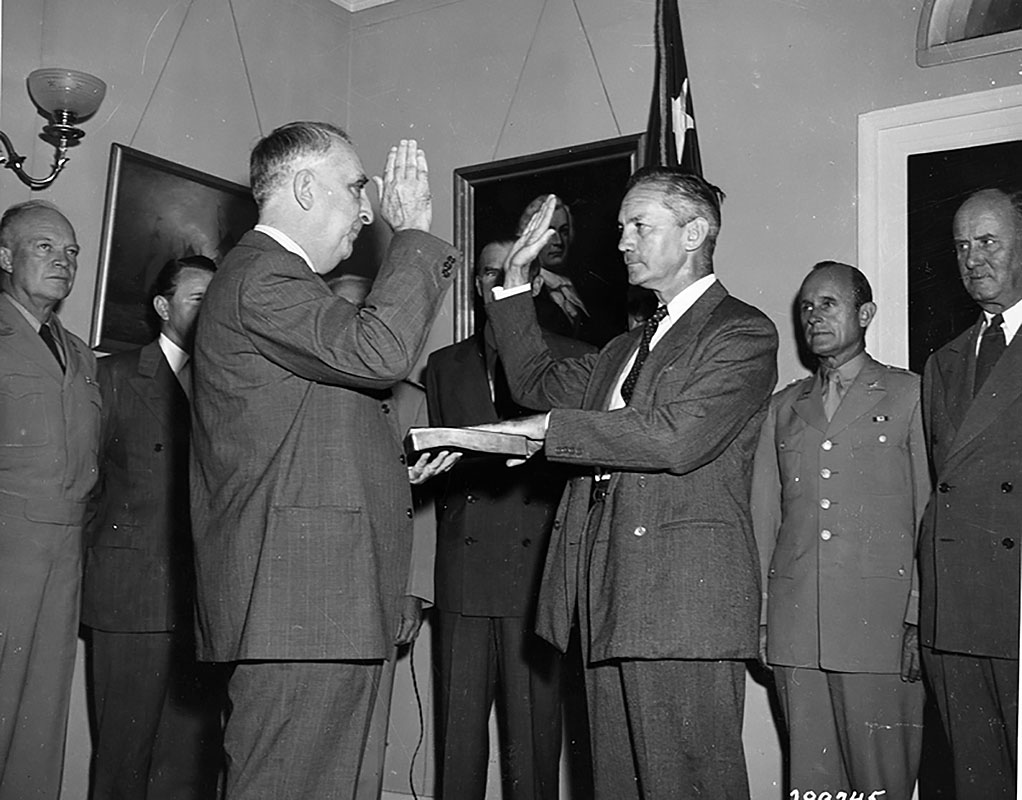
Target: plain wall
x: 777, y: 88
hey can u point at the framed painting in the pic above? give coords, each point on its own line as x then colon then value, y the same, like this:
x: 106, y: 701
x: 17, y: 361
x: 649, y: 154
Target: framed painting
x: 156, y: 210
x: 491, y: 199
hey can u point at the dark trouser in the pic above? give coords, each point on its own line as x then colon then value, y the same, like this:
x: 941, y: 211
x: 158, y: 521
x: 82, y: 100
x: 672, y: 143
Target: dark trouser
x: 978, y: 702
x: 158, y: 718
x: 668, y: 730
x: 40, y: 576
x: 851, y: 732
x: 485, y: 659
x: 297, y: 729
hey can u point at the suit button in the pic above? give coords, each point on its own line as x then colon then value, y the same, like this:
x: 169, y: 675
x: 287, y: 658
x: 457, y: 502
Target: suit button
x: 1006, y: 487
x: 470, y: 498
x: 882, y: 438
x: 409, y: 513
x: 827, y: 444
x: 158, y: 447
x: 825, y: 535
x: 469, y: 540
x: 557, y: 523
x: 825, y: 473
x: 401, y: 458
x: 526, y: 501
x: 385, y: 408
x: 824, y: 503
x: 526, y: 542
x: 1008, y: 542
x: 640, y: 530
x: 901, y: 571
x: 944, y: 488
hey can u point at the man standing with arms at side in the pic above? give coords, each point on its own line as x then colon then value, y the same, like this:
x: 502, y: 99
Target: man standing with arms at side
x: 49, y: 435
x: 301, y: 504
x: 838, y: 490
x: 157, y: 712
x: 654, y: 546
x: 972, y: 531
x: 493, y: 525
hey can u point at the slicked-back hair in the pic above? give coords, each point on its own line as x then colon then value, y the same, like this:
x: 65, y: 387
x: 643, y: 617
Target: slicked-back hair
x: 16, y: 212
x: 273, y: 155
x: 862, y: 292
x: 687, y: 195
x: 166, y: 281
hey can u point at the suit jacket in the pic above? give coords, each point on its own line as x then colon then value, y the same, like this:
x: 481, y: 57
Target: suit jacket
x: 138, y: 559
x: 672, y: 570
x: 971, y: 536
x: 49, y: 422
x: 839, y: 600
x: 493, y: 521
x: 301, y: 507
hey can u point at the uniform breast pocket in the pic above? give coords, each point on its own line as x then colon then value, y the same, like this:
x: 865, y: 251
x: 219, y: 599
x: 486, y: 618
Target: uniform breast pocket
x: 880, y: 465
x: 790, y: 462
x: 27, y: 412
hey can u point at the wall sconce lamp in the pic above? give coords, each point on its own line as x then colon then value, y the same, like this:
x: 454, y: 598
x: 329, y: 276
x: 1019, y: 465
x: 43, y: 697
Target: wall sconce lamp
x: 65, y: 96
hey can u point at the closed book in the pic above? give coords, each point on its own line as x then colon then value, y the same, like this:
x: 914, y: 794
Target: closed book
x: 470, y: 441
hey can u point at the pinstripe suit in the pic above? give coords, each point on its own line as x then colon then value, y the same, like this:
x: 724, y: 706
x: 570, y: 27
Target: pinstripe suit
x: 664, y: 573
x: 301, y: 503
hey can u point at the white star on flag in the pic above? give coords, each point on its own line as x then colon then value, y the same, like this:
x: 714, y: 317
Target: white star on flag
x: 682, y: 120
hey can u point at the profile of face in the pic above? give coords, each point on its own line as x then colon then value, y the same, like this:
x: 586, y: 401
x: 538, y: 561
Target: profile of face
x: 652, y: 242
x: 40, y: 259
x: 490, y: 269
x: 179, y: 310
x: 344, y: 206
x: 554, y: 255
x: 834, y: 329
x: 988, y: 245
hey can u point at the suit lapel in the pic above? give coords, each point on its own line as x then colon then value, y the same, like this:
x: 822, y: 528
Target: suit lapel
x: 608, y: 368
x: 809, y: 405
x: 1002, y: 388
x: 472, y: 394
x: 866, y: 391
x: 960, y: 374
x: 156, y: 382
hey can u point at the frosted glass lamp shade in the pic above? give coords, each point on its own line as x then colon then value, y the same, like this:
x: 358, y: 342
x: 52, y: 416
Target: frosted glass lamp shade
x: 68, y: 90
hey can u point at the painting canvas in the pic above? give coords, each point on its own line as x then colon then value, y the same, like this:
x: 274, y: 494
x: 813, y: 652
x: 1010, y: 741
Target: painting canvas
x: 590, y: 178
x: 157, y: 210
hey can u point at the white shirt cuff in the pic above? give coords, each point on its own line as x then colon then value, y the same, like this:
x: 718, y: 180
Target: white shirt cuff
x: 499, y: 292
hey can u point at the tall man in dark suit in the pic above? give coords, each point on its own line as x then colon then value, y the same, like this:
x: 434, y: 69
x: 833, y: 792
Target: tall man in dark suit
x: 493, y: 525
x: 972, y: 531
x: 301, y: 503
x: 157, y: 712
x: 654, y: 545
x: 838, y: 490
x: 49, y: 434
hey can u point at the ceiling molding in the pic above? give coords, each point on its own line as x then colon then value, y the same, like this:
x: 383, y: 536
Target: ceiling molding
x: 360, y: 5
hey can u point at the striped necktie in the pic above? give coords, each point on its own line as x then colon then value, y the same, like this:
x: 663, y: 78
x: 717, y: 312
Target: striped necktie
x: 648, y: 330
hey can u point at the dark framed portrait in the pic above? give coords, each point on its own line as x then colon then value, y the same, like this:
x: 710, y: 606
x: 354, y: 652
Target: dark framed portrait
x: 584, y: 292
x: 156, y: 210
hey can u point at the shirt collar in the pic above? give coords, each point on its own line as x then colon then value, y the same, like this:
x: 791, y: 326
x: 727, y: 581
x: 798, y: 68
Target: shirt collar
x: 175, y: 356
x: 848, y: 371
x: 1012, y: 320
x: 286, y: 242
x: 687, y: 297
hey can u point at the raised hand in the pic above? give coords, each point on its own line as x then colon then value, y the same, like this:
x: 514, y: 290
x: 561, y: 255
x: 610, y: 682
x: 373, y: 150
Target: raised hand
x: 533, y: 238
x: 405, y: 201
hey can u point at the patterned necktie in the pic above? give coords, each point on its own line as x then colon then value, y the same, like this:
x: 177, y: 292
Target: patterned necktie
x: 640, y: 356
x: 991, y: 345
x: 832, y: 393
x: 47, y: 336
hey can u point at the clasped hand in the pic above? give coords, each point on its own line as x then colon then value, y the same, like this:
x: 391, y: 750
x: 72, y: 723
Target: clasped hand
x: 405, y: 200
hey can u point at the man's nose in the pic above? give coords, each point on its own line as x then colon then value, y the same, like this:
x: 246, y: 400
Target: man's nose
x: 624, y: 242
x: 973, y: 257
x: 365, y: 210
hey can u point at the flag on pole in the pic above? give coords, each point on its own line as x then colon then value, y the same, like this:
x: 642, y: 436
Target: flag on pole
x: 671, y: 134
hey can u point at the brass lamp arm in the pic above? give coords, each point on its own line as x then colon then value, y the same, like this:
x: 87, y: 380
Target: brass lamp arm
x: 13, y: 162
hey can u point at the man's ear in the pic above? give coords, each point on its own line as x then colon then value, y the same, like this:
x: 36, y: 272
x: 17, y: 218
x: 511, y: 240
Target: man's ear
x: 6, y: 260
x: 301, y: 185
x: 162, y: 307
x: 866, y: 313
x: 695, y: 233
x: 537, y: 285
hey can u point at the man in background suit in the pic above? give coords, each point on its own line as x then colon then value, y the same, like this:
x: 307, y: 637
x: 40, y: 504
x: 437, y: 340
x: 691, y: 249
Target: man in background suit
x: 493, y: 525
x: 838, y: 490
x: 971, y: 537
x: 49, y: 433
x: 654, y: 545
x: 157, y: 711
x: 301, y: 503
x: 409, y: 403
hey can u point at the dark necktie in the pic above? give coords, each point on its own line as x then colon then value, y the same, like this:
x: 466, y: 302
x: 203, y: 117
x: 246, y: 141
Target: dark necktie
x: 640, y: 356
x: 47, y: 336
x: 991, y: 345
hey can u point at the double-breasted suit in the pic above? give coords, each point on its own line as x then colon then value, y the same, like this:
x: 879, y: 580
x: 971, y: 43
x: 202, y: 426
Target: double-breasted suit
x: 493, y: 525
x: 836, y: 506
x: 138, y: 593
x: 663, y: 572
x: 49, y: 436
x: 969, y: 559
x: 302, y: 512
